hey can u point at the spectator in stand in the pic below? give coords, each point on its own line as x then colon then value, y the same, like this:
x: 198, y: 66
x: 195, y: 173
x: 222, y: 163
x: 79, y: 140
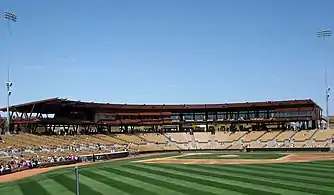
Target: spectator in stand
x: 8, y: 167
x: 2, y: 168
x: 16, y: 164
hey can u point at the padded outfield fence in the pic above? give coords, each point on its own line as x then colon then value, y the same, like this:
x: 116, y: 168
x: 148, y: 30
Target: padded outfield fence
x: 324, y: 149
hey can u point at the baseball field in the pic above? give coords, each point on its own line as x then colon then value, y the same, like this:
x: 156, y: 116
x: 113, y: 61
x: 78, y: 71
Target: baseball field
x: 188, y: 173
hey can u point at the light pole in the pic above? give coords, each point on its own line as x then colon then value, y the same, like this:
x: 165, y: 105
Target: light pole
x: 323, y: 34
x: 76, y: 169
x: 10, y: 17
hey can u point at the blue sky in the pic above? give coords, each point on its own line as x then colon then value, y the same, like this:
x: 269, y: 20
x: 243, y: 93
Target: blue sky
x: 175, y: 51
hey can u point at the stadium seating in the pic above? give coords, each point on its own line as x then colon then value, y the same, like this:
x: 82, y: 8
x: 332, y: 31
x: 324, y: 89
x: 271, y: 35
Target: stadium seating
x: 221, y: 145
x: 131, y: 138
x: 35, y: 142
x: 110, y: 139
x: 153, y: 137
x: 173, y: 147
x: 179, y: 137
x: 269, y: 136
x: 236, y: 146
x: 203, y: 136
x: 257, y: 145
x: 204, y: 146
x: 4, y: 160
x: 252, y: 136
x: 21, y: 141
x: 151, y: 147
x: 229, y: 136
x: 303, y: 135
x: 184, y: 146
x: 271, y: 144
x: 285, y: 135
x: 324, y: 135
x: 319, y: 144
x: 298, y: 144
x: 42, y: 145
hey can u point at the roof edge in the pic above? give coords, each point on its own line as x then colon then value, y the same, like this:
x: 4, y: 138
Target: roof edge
x: 33, y: 102
x: 57, y: 99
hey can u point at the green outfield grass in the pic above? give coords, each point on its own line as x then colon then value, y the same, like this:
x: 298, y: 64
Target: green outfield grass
x: 236, y: 155
x: 128, y: 177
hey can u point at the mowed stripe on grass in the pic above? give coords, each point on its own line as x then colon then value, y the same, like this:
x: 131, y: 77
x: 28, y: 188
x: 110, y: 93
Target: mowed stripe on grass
x: 153, y: 179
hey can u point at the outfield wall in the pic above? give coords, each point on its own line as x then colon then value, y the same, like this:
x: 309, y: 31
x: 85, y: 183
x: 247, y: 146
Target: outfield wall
x: 104, y: 156
x: 66, y: 162
x: 324, y: 149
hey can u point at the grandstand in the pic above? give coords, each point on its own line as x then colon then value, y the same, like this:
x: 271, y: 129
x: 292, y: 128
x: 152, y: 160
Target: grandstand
x: 269, y: 136
x: 55, y: 113
x: 60, y: 125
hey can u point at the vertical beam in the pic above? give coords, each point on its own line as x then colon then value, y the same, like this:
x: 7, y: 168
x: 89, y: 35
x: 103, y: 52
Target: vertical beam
x: 32, y: 110
x: 11, y: 115
x: 206, y: 121
x: 75, y: 128
x: 34, y: 128
x: 16, y: 113
x: 77, y: 180
x: 85, y: 129
x: 327, y: 99
x: 46, y: 129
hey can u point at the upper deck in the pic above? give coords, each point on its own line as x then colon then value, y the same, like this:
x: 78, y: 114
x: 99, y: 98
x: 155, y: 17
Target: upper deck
x: 77, y: 112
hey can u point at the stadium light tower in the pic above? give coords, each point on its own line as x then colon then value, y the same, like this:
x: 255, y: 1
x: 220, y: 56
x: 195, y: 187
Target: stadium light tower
x: 10, y: 17
x: 323, y: 34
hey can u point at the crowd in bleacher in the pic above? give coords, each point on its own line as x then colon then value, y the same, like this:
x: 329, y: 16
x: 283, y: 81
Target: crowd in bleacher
x: 17, y: 164
x: 22, y: 162
x: 23, y: 151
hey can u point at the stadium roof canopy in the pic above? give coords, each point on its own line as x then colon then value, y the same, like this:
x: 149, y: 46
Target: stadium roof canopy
x: 51, y: 104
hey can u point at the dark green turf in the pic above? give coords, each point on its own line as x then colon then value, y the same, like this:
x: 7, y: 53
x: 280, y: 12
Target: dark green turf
x: 202, y: 181
x: 126, y: 177
x: 37, y: 189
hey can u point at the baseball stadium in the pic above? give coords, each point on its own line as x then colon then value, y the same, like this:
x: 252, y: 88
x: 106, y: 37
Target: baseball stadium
x: 60, y: 146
